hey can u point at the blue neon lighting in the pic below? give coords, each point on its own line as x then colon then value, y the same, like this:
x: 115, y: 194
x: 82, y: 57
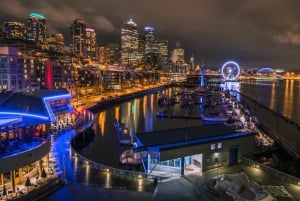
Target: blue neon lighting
x: 199, y: 141
x: 48, y: 98
x: 25, y: 114
x: 57, y: 97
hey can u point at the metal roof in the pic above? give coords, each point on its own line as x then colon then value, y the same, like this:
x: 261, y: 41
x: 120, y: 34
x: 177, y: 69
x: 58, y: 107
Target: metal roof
x: 166, y: 139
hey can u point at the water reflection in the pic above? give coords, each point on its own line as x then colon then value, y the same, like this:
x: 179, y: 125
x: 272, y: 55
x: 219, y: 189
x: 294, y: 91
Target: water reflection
x: 137, y: 115
x: 281, y: 96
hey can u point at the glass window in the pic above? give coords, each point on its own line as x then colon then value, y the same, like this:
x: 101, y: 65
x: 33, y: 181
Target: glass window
x: 212, y: 146
x: 220, y: 145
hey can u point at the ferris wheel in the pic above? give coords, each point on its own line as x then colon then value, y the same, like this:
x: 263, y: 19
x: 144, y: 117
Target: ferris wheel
x: 230, y: 70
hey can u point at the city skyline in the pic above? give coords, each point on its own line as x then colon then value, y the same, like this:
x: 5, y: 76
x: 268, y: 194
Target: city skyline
x: 251, y: 33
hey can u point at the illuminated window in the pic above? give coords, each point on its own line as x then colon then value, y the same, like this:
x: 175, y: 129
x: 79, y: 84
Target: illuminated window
x: 212, y: 146
x: 220, y: 145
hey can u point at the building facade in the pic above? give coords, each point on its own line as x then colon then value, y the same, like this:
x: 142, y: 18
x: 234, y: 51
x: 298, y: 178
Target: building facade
x: 78, y: 37
x: 26, y: 122
x: 90, y: 43
x: 14, y: 30
x: 11, y: 69
x: 129, y: 43
x: 36, y: 28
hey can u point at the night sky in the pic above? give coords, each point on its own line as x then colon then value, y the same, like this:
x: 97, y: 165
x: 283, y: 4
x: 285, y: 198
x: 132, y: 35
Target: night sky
x: 255, y: 33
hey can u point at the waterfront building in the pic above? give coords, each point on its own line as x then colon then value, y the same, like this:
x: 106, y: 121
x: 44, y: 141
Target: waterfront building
x: 26, y: 121
x: 129, y: 43
x: 78, y: 37
x: 58, y: 74
x: 29, y: 72
x: 14, y: 30
x: 90, y: 43
x: 36, y: 28
x: 12, y: 69
x: 193, y: 149
x: 39, y: 74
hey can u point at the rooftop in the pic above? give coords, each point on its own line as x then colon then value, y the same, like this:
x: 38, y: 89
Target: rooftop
x: 166, y: 139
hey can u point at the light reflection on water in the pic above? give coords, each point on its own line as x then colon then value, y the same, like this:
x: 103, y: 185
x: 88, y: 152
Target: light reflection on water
x: 137, y: 115
x: 282, y: 97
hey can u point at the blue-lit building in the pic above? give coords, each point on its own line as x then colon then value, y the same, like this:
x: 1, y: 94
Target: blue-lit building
x: 26, y: 122
x: 193, y: 148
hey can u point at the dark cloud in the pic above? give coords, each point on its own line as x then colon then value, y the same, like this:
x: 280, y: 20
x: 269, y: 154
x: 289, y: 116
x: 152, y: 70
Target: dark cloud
x: 251, y: 32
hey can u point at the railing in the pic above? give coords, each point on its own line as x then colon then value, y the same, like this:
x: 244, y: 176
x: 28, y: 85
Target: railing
x: 116, y: 171
x: 133, y: 174
x: 284, y: 177
x: 288, y: 146
x: 291, y: 148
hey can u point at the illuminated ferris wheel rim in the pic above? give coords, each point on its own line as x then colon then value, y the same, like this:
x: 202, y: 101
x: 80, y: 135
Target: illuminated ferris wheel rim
x: 236, y: 65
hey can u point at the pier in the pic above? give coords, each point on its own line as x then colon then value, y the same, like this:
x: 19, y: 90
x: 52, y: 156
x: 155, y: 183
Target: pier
x: 278, y: 127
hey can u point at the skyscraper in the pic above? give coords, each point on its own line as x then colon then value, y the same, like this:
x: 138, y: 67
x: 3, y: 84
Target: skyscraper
x: 163, y: 52
x: 78, y: 37
x: 129, y: 43
x: 56, y: 42
x: 149, y: 40
x: 178, y: 56
x: 90, y: 43
x: 14, y: 30
x: 36, y: 27
x: 152, y: 54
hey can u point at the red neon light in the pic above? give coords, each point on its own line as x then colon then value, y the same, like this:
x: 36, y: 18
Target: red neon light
x: 49, y: 75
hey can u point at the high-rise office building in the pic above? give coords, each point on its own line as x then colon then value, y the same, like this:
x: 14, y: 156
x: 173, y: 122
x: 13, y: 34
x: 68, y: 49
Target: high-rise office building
x: 36, y: 28
x: 56, y: 42
x: 163, y: 46
x: 150, y: 43
x: 178, y: 56
x: 14, y: 30
x: 129, y: 43
x: 102, y: 55
x: 113, y: 53
x: 78, y: 37
x: 90, y: 43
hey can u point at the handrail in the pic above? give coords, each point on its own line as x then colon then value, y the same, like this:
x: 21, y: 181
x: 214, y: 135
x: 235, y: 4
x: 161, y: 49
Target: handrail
x: 117, y: 171
x: 284, y: 177
x: 270, y: 131
x: 103, y: 167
